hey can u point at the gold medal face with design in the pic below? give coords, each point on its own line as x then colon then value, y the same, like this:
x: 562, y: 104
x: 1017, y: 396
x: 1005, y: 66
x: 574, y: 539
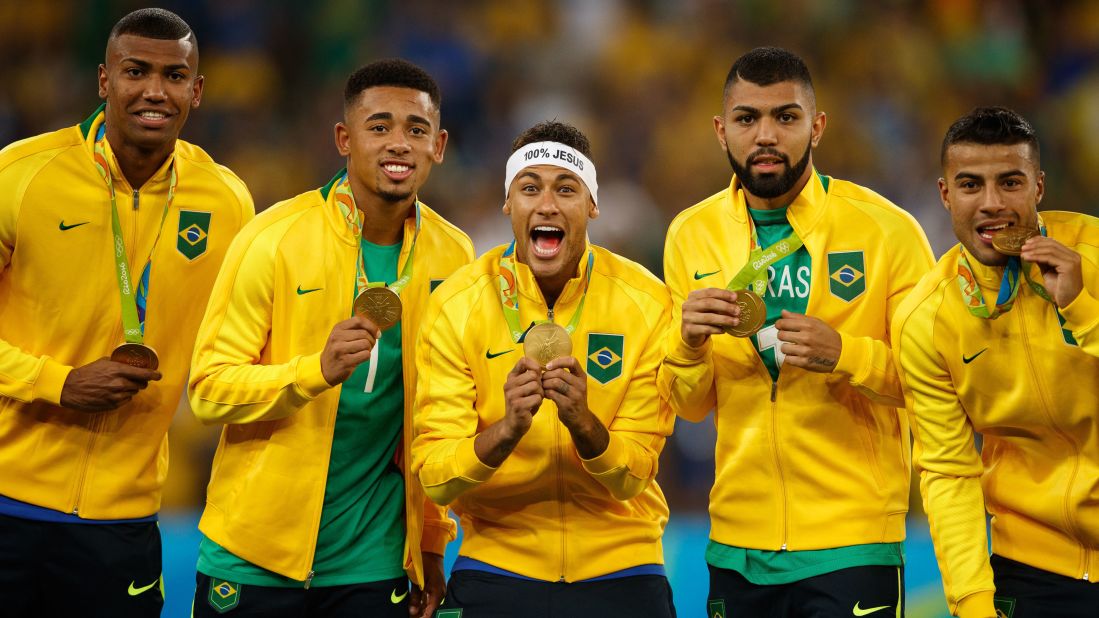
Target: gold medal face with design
x: 1011, y: 240
x: 380, y: 305
x: 753, y: 312
x: 136, y: 355
x: 545, y: 342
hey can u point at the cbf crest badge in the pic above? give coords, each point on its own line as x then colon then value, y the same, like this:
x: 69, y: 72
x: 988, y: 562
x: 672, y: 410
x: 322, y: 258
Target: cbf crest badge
x: 846, y: 274
x: 194, y: 227
x: 605, y: 356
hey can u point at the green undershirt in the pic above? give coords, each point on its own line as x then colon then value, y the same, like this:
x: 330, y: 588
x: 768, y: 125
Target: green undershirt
x: 362, y: 529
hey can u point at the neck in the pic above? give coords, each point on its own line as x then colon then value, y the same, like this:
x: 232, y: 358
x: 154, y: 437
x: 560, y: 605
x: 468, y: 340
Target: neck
x: 552, y: 288
x: 383, y: 221
x: 137, y: 164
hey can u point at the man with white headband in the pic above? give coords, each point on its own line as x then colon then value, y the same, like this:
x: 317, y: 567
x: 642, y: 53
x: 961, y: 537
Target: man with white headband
x: 537, y: 414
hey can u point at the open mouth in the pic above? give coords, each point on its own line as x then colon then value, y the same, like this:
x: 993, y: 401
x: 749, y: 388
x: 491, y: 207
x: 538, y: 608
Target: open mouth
x: 152, y: 118
x: 397, y: 171
x: 546, y: 240
x: 988, y: 231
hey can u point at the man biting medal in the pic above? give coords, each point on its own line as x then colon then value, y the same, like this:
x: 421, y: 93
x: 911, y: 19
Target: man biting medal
x: 537, y: 414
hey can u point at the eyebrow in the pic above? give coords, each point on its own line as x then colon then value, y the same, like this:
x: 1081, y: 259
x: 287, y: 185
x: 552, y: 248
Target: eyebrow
x: 412, y: 118
x: 775, y: 110
x: 1001, y: 175
x: 560, y: 177
x: 144, y: 64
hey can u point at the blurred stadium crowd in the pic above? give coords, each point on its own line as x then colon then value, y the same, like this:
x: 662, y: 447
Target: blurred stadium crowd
x: 641, y: 77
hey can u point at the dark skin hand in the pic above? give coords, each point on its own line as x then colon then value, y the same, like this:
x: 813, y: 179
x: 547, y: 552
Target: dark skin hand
x: 707, y: 312
x: 104, y: 385
x: 1060, y: 266
x: 348, y: 346
x: 809, y: 343
x: 422, y: 603
x: 566, y: 384
x: 523, y: 394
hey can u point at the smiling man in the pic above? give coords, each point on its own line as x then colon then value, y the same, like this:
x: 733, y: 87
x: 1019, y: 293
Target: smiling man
x: 111, y: 234
x: 807, y: 510
x: 1002, y: 338
x: 311, y: 510
x: 538, y: 419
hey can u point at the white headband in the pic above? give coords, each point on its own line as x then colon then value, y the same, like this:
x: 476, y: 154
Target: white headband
x: 552, y: 153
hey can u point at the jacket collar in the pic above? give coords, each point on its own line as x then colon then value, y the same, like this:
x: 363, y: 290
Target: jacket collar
x: 89, y: 130
x: 574, y: 288
x: 804, y: 212
x: 334, y: 218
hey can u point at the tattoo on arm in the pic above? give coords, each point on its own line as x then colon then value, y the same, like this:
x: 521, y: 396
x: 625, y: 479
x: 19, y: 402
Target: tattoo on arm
x: 824, y: 362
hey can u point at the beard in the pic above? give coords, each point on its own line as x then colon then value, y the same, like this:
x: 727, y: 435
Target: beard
x: 394, y: 197
x: 769, y: 186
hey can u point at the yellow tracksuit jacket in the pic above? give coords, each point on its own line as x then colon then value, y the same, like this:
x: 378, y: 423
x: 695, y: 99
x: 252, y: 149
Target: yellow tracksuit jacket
x: 545, y: 513
x: 812, y: 461
x: 257, y: 369
x: 60, y: 309
x: 1035, y: 399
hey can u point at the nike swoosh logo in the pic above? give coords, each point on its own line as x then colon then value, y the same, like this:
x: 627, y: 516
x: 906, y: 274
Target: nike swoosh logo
x: 699, y: 275
x: 970, y: 359
x: 301, y: 291
x: 870, y: 610
x: 397, y: 599
x: 64, y: 227
x: 491, y: 354
x: 136, y: 591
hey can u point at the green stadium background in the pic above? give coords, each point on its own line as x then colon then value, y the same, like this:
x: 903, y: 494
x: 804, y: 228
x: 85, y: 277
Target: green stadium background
x: 642, y: 79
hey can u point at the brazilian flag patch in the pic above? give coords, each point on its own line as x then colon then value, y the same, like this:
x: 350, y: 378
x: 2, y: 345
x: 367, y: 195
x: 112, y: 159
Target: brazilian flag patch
x: 448, y: 613
x: 605, y: 356
x: 194, y: 227
x: 224, y: 595
x: 1005, y: 606
x: 715, y: 608
x: 846, y: 274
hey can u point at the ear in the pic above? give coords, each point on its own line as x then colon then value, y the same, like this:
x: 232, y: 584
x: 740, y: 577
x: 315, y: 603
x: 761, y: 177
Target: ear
x: 819, y: 122
x: 593, y: 210
x: 343, y: 139
x: 103, y: 82
x: 440, y: 145
x: 719, y: 129
x: 944, y: 194
x: 196, y: 95
x: 506, y: 208
x: 1041, y: 188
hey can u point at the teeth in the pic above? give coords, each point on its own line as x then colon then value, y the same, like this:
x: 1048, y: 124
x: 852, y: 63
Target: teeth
x: 396, y: 168
x: 547, y: 228
x: 153, y: 115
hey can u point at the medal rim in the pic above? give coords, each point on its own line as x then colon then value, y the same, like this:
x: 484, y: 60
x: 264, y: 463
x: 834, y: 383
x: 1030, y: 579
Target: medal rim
x: 146, y: 350
x: 392, y: 299
x: 1016, y: 248
x: 749, y: 329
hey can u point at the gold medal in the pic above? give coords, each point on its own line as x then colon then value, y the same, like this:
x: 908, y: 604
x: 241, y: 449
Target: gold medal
x: 753, y: 312
x: 136, y: 355
x: 545, y: 342
x: 1011, y: 240
x: 380, y: 305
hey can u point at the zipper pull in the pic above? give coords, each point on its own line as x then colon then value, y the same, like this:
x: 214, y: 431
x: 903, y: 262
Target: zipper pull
x: 309, y: 579
x: 135, y: 199
x: 549, y: 314
x: 774, y: 390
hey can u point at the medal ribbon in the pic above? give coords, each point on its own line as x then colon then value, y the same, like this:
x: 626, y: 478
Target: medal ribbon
x: 345, y: 199
x: 133, y: 300
x: 1009, y: 286
x: 509, y: 295
x: 751, y: 275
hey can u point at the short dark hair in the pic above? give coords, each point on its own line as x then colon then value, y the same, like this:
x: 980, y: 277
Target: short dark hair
x: 765, y: 66
x: 554, y: 131
x: 153, y: 23
x: 991, y: 126
x: 391, y: 72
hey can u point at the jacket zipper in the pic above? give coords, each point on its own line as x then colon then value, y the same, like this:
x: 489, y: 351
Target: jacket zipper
x: 560, y: 481
x: 778, y: 461
x: 93, y: 429
x: 1046, y: 407
x: 309, y: 578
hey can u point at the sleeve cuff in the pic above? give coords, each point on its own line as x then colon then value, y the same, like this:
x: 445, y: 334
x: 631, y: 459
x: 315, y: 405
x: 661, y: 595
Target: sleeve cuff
x: 683, y: 353
x: 435, y: 536
x: 309, y: 377
x: 854, y: 357
x: 977, y: 605
x: 50, y: 381
x: 613, y: 457
x: 1082, y: 314
x: 469, y: 465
